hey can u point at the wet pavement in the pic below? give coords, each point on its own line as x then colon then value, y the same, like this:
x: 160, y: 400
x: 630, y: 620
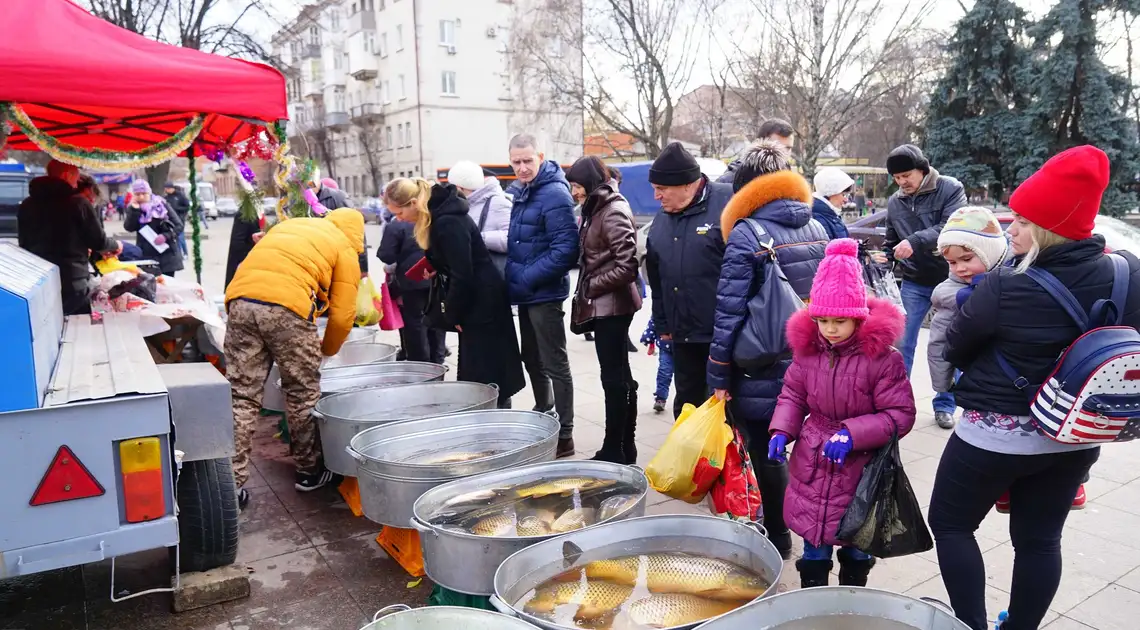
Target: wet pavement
x: 314, y: 566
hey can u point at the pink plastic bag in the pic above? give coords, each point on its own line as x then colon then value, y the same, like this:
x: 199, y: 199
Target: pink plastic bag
x: 392, y: 319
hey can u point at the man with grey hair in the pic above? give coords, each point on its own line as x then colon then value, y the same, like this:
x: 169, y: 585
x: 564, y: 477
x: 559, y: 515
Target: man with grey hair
x: 542, y: 248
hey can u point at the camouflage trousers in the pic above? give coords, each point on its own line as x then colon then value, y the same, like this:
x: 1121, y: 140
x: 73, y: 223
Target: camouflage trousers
x: 257, y: 336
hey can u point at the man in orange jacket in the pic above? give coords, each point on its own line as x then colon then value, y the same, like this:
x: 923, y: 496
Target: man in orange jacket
x: 300, y: 269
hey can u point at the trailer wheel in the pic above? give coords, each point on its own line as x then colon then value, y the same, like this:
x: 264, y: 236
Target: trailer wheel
x: 207, y: 514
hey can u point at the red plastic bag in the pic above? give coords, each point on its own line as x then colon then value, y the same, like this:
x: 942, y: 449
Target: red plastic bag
x: 392, y: 319
x: 736, y: 495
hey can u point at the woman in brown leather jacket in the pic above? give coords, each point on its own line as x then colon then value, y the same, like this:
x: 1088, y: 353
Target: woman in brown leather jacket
x: 607, y: 297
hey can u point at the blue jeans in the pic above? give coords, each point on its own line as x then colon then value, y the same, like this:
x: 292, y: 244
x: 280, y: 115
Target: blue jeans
x: 664, y: 374
x: 823, y: 552
x: 182, y: 244
x: 916, y: 301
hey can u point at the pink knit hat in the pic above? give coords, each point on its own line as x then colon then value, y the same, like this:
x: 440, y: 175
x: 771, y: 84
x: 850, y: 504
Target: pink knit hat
x: 838, y: 289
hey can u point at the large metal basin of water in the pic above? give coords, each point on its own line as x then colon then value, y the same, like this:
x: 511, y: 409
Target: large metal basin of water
x: 341, y: 416
x: 273, y: 398
x: 826, y: 607
x: 361, y: 353
x: 352, y: 378
x: 401, y: 617
x: 466, y: 562
x: 744, y: 544
x: 396, y: 463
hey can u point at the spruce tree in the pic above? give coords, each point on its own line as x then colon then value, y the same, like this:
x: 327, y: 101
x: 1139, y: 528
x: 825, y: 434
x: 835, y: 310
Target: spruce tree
x: 1078, y: 99
x: 976, y: 126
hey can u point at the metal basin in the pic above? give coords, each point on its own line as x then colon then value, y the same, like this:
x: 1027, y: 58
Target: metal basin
x: 744, y: 544
x: 348, y: 379
x: 822, y: 603
x: 401, y: 617
x: 394, y: 461
x: 341, y: 416
x: 466, y: 562
x: 273, y: 398
x: 361, y: 353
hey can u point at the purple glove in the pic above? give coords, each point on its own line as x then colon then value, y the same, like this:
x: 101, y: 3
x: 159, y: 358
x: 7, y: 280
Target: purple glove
x: 965, y: 292
x: 778, y: 447
x: 159, y: 240
x: 837, y: 448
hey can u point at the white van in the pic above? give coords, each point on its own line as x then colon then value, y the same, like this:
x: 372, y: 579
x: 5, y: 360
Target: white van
x: 207, y: 198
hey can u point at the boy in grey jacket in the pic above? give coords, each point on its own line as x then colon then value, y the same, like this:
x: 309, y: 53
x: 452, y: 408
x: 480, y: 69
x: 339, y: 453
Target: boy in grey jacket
x: 973, y: 243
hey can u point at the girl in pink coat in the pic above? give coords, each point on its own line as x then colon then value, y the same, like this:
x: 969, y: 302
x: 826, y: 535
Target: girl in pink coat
x: 844, y: 394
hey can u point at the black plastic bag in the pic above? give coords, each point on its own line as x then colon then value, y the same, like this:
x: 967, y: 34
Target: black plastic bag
x: 884, y: 518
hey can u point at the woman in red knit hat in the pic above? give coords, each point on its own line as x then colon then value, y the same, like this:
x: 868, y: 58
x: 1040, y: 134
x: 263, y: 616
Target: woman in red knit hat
x: 996, y: 448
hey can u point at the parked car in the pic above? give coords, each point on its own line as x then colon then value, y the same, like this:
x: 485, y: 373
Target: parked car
x: 375, y: 211
x: 14, y: 180
x: 207, y: 198
x: 227, y: 206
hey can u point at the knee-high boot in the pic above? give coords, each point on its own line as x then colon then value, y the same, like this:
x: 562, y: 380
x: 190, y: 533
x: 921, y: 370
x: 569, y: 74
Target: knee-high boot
x: 617, y: 406
x: 773, y: 480
x: 628, y: 446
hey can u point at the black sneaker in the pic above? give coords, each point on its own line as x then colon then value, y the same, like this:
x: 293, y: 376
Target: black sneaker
x: 659, y: 405
x: 243, y: 499
x: 316, y: 481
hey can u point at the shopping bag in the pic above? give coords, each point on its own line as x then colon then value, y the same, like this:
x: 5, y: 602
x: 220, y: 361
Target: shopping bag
x: 884, y: 518
x: 763, y: 338
x: 391, y: 318
x: 736, y: 494
x: 881, y: 281
x: 690, y: 461
x: 367, y: 313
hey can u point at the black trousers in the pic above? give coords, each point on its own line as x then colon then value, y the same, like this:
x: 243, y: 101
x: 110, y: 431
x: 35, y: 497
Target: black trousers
x: 690, y: 361
x: 421, y: 342
x: 1041, y: 490
x: 610, y: 336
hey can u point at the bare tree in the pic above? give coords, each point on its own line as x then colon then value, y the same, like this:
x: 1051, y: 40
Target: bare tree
x: 588, y: 52
x: 824, y: 63
x: 369, y: 135
x: 715, y: 116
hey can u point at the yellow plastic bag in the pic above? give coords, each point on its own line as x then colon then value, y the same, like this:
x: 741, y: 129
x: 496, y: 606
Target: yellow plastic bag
x: 367, y: 297
x: 690, y: 461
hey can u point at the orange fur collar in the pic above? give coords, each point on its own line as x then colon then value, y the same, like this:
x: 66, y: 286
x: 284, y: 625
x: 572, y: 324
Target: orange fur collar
x: 761, y: 191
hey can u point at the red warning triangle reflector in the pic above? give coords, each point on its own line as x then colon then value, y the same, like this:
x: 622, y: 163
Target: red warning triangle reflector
x: 66, y: 479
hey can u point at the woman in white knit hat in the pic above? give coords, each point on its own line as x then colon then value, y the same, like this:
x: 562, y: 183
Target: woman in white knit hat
x: 490, y: 207
x: 831, y: 188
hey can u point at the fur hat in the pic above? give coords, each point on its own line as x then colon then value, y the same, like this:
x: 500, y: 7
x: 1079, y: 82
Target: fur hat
x: 976, y: 229
x: 830, y: 181
x: 1063, y: 196
x: 467, y: 175
x: 764, y: 157
x: 674, y: 167
x: 905, y: 158
x: 140, y: 186
x: 838, y: 289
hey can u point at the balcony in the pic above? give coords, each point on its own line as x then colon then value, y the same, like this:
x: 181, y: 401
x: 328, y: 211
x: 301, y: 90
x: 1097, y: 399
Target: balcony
x: 313, y: 86
x: 337, y: 121
x: 311, y: 51
x: 362, y: 63
x: 367, y: 113
x: 361, y: 21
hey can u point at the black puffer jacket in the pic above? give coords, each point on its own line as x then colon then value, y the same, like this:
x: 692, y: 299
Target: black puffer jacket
x: 919, y: 218
x: 170, y: 259
x: 1011, y: 313
x: 683, y: 255
x: 398, y: 247
x: 60, y: 226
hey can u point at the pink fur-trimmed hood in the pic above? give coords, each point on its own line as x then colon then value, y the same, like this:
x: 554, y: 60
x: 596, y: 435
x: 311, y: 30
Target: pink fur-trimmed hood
x: 874, y: 337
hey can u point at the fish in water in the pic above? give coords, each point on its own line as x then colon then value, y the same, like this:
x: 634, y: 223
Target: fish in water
x: 533, y: 526
x: 501, y: 524
x: 455, y: 458
x: 677, y: 573
x: 566, y: 486
x: 476, y: 496
x: 572, y: 519
x: 594, y: 599
x: 615, y: 505
x: 668, y: 610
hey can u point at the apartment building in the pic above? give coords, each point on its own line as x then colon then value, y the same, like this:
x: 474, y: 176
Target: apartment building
x: 380, y: 89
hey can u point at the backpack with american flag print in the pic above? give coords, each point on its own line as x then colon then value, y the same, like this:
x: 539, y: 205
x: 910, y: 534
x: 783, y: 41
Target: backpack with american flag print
x: 1092, y: 395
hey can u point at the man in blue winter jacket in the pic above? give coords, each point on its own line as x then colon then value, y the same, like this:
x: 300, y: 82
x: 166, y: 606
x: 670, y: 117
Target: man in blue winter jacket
x: 542, y: 247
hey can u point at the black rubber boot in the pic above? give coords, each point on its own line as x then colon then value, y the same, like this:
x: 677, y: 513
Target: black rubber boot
x: 813, y: 572
x: 854, y: 572
x: 617, y: 406
x: 773, y: 480
x: 628, y: 445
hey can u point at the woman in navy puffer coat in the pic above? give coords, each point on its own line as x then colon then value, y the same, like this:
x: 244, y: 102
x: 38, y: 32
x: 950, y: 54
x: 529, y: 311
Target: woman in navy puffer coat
x: 780, y: 201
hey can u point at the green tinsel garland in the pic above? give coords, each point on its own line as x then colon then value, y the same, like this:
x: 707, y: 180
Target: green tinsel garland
x: 249, y: 204
x: 196, y: 233
x: 100, y: 159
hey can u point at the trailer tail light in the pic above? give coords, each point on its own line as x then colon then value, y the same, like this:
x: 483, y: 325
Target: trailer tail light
x: 144, y: 497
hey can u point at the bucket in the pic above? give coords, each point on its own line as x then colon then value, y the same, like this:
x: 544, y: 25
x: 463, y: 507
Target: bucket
x: 813, y: 607
x: 401, y: 617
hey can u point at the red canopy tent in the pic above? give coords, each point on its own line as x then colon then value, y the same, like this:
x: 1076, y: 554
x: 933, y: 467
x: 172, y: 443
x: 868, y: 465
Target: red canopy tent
x: 86, y: 82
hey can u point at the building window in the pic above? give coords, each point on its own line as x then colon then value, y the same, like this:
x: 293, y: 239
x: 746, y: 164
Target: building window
x: 448, y: 83
x: 447, y: 33
x: 387, y: 92
x: 338, y: 62
x: 370, y: 43
x: 383, y: 45
x: 399, y: 37
x: 380, y: 5
x: 388, y: 137
x: 403, y: 88
x: 384, y: 93
x: 334, y: 19
x: 315, y: 35
x: 408, y: 135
